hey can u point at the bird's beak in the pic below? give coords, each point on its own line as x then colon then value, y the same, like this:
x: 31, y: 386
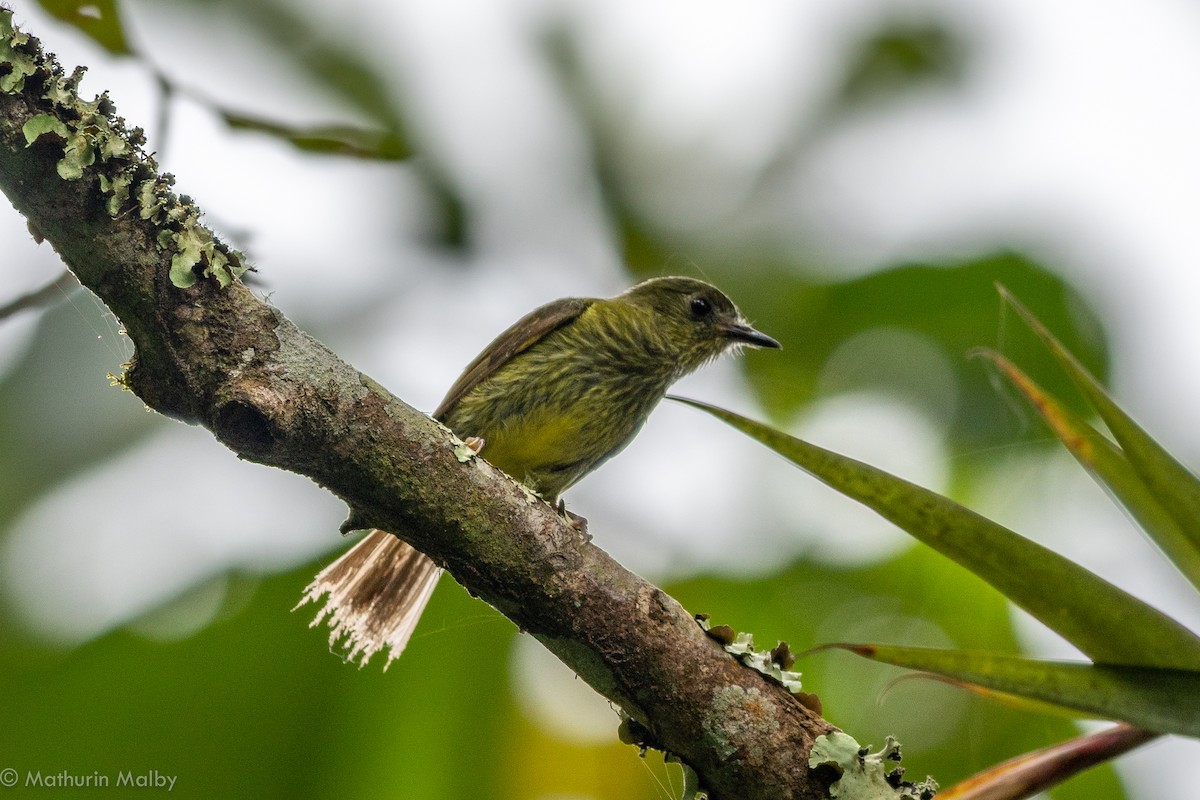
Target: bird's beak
x: 738, y: 331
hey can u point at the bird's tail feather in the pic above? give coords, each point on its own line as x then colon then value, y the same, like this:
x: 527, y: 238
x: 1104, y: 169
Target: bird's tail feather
x: 376, y: 593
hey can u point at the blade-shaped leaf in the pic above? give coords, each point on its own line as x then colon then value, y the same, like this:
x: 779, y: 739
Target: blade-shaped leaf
x: 1008, y: 699
x: 1028, y: 774
x: 1107, y: 463
x: 1106, y: 623
x: 1173, y: 484
x: 335, y: 139
x: 1162, y: 700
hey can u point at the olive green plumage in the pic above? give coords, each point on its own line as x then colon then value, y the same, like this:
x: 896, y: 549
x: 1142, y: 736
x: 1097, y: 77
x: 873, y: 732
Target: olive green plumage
x: 551, y: 398
x: 570, y: 384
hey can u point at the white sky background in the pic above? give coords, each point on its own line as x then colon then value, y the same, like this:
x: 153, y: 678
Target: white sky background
x: 1075, y: 137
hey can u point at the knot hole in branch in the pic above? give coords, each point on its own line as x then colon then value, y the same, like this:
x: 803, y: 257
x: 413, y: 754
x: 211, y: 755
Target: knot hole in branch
x: 244, y: 424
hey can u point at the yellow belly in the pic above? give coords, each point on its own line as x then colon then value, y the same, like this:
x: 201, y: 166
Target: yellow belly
x: 545, y: 451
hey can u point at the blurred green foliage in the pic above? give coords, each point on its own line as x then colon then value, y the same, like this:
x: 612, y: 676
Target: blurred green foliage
x: 59, y: 415
x: 256, y: 706
x: 98, y: 19
x: 900, y: 56
x: 908, y: 331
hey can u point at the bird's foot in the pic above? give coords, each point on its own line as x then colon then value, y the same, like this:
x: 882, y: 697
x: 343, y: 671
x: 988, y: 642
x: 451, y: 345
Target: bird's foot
x: 575, y: 521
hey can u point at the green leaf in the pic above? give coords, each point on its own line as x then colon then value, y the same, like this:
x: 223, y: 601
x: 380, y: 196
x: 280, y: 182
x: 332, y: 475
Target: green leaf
x: 1106, y: 623
x: 332, y: 139
x: 96, y: 18
x: 899, y: 57
x: 903, y: 332
x: 1107, y: 463
x: 1162, y: 700
x: 1170, y: 482
x: 341, y: 68
x: 348, y: 73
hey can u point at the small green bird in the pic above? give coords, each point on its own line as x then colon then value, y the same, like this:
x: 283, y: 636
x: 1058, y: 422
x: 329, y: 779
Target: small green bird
x: 560, y: 392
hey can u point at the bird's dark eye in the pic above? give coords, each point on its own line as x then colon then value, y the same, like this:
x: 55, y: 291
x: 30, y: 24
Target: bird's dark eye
x: 701, y: 308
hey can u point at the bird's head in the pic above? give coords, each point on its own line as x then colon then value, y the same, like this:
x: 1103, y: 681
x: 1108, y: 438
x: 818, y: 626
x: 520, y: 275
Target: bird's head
x: 694, y: 322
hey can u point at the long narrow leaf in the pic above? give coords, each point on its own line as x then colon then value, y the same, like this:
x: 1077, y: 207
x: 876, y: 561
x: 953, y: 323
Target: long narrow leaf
x: 333, y: 139
x: 1106, y: 623
x: 1107, y: 464
x: 1028, y: 774
x: 1175, y: 487
x: 1009, y: 699
x: 1162, y: 700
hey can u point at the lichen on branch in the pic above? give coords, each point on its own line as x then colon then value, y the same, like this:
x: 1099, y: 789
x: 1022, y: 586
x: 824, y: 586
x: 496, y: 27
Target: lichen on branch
x: 88, y: 134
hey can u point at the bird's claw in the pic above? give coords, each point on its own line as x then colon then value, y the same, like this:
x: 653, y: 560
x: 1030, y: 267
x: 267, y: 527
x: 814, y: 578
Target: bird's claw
x: 577, y: 522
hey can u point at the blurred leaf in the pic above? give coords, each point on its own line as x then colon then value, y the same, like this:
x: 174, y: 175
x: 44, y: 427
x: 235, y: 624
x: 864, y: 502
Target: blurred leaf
x: 1026, y: 775
x: 58, y: 409
x: 258, y: 686
x: 342, y: 731
x: 860, y: 335
x: 901, y: 56
x: 337, y: 67
x: 1106, y: 623
x: 335, y: 139
x: 1170, y: 482
x: 348, y: 73
x: 98, y: 19
x: 1016, y: 701
x: 1143, y: 696
x: 1107, y: 463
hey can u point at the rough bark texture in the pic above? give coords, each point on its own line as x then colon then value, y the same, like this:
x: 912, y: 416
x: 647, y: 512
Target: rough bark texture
x: 222, y: 358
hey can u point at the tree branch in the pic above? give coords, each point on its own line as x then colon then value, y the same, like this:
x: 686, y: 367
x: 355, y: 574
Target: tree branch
x: 217, y: 356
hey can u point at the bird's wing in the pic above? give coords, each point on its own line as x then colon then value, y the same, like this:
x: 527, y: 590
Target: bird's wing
x: 523, y: 334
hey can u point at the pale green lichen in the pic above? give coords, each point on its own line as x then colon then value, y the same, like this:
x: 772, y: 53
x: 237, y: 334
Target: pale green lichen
x: 864, y: 775
x: 91, y: 136
x: 198, y: 253
x: 42, y: 124
x: 151, y: 199
x: 117, y: 189
x: 20, y: 63
x: 191, y: 244
x: 78, y: 155
x: 747, y: 707
x: 775, y: 663
x: 725, y: 700
x: 463, y: 451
